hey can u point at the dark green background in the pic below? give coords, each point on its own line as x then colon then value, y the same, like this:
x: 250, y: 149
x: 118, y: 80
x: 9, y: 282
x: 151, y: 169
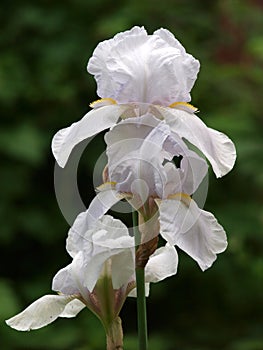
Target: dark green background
x: 44, y: 86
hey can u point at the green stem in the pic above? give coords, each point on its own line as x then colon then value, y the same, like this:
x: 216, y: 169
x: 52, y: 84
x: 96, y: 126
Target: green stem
x: 140, y: 286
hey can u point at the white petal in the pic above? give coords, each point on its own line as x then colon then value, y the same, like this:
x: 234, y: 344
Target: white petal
x: 113, y: 243
x: 85, y: 221
x: 40, y: 313
x: 136, y: 67
x: 217, y: 147
x: 136, y: 150
x: 193, y: 230
x: 193, y: 169
x: 72, y: 308
x: 98, y: 63
x: 105, y: 239
x: 162, y: 264
x: 122, y: 266
x: 189, y: 66
x: 64, y: 283
x: 91, y: 124
x: 69, y: 280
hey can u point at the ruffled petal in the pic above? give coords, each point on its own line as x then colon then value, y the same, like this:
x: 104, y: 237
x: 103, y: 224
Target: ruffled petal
x: 91, y: 124
x: 216, y: 146
x: 40, y: 313
x: 85, y: 222
x: 186, y: 71
x: 136, y: 67
x: 162, y: 264
x: 111, y: 243
x: 91, y: 246
x: 98, y: 63
x: 193, y: 230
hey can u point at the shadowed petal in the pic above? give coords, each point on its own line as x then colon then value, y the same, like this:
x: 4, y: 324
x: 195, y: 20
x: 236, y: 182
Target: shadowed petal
x: 40, y: 313
x: 72, y: 308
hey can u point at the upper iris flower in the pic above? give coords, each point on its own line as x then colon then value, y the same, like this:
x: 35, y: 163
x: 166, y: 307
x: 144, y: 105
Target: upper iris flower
x: 94, y: 277
x: 138, y: 73
x: 140, y: 170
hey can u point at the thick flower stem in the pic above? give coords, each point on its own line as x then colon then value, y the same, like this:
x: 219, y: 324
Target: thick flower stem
x: 115, y: 335
x: 140, y: 286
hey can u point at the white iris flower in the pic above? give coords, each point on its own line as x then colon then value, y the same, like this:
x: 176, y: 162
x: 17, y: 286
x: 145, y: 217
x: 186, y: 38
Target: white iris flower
x: 100, y: 276
x: 138, y: 73
x: 140, y: 169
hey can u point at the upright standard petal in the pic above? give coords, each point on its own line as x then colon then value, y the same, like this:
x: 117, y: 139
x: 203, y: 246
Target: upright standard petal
x: 136, y: 67
x: 193, y: 230
x: 40, y: 313
x: 216, y: 146
x: 85, y: 223
x: 91, y: 247
x: 91, y: 124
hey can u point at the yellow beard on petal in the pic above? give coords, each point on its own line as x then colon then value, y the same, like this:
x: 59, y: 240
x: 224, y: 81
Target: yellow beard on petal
x: 184, y: 106
x: 103, y: 102
x: 184, y: 197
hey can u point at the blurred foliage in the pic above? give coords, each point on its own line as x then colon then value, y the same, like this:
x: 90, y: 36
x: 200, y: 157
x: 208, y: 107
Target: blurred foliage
x: 45, y: 45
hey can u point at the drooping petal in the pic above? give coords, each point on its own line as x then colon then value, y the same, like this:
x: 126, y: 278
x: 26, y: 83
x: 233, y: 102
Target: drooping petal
x: 193, y: 230
x: 72, y: 308
x: 40, y: 313
x: 216, y: 146
x: 136, y: 67
x: 162, y: 264
x: 91, y: 124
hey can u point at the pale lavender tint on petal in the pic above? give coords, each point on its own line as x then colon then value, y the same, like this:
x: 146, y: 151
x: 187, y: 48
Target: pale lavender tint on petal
x: 136, y: 150
x: 136, y: 67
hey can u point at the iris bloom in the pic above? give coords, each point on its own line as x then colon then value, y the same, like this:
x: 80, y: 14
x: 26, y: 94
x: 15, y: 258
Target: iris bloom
x: 139, y: 168
x: 138, y: 73
x: 100, y: 276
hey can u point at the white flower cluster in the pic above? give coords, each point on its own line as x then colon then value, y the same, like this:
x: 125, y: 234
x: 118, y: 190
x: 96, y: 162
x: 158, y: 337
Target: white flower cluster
x: 144, y: 82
